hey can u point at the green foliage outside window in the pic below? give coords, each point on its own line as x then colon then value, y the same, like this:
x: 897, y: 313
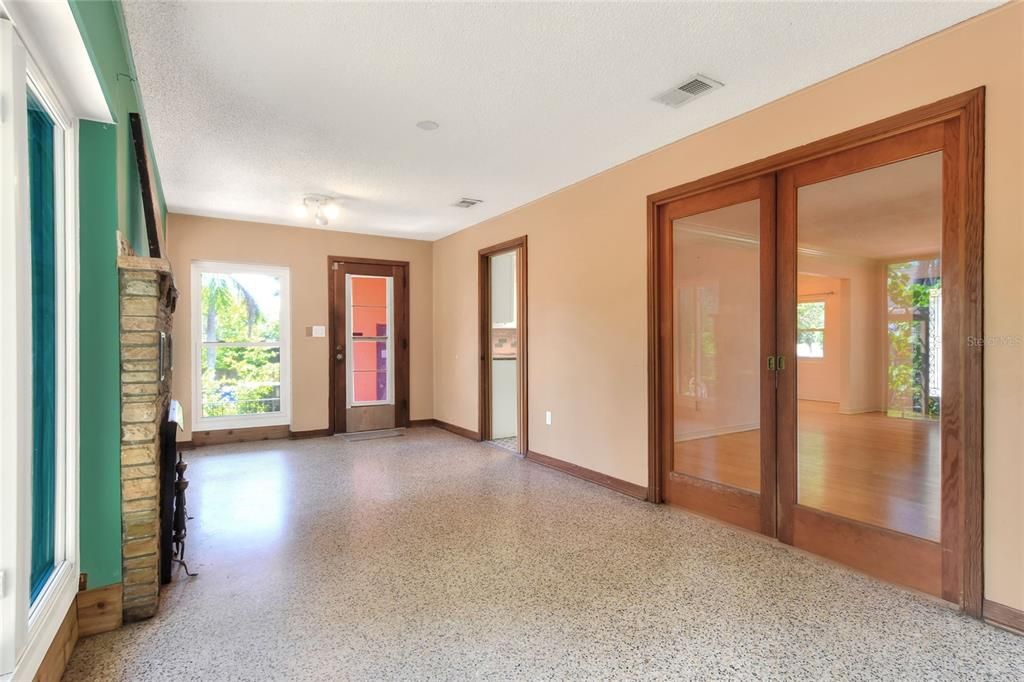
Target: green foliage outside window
x: 908, y: 319
x: 810, y: 329
x: 244, y: 378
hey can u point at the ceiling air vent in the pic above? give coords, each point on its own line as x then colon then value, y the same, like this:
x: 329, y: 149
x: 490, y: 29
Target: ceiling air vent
x: 690, y: 89
x: 467, y: 203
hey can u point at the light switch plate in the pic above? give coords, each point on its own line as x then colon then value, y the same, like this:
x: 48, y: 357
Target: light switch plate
x: 547, y: 417
x: 318, y: 331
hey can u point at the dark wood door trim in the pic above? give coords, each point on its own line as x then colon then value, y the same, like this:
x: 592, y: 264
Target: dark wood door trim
x: 336, y: 317
x: 962, y: 119
x: 748, y: 509
x: 522, y: 341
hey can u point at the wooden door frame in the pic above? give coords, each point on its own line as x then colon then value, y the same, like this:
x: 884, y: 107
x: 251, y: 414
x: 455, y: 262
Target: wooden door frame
x: 964, y: 118
x: 754, y: 511
x: 401, y: 345
x: 924, y: 564
x: 484, y: 293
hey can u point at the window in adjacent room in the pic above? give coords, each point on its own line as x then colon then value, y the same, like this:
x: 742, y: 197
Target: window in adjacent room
x: 810, y: 329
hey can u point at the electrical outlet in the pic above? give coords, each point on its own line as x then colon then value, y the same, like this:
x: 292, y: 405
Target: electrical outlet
x: 547, y: 417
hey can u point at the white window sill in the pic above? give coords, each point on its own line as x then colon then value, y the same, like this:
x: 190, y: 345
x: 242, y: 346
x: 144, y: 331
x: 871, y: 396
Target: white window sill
x: 241, y: 422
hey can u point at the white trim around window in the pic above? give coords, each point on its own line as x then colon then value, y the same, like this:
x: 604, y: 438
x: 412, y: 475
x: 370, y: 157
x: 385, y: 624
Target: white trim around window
x: 279, y: 418
x: 27, y: 627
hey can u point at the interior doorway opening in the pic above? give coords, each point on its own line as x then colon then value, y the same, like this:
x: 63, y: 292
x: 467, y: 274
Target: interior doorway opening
x: 503, y: 411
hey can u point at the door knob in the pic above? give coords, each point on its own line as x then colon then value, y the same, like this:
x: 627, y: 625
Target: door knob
x: 339, y: 357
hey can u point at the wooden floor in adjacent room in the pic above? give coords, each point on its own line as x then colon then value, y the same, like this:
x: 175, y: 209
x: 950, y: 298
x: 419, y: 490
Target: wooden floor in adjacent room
x: 869, y: 467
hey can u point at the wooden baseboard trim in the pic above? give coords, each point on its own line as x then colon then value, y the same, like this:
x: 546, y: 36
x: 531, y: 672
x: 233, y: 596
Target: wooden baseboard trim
x: 312, y: 433
x: 51, y: 669
x: 457, y: 430
x: 617, y: 484
x: 1004, y: 616
x: 99, y: 610
x: 247, y: 435
x: 418, y: 423
x: 186, y: 445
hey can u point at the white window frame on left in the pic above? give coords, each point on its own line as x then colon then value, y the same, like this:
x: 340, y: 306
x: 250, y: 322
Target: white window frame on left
x: 27, y: 628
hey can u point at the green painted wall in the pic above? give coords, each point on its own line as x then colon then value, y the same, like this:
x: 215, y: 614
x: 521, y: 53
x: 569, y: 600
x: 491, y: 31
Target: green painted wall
x: 109, y: 201
x: 99, y: 408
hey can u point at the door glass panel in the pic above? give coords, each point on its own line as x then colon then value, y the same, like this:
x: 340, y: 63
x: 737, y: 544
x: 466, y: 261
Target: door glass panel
x: 369, y: 386
x: 369, y: 356
x: 716, y: 356
x: 869, y: 346
x: 504, y: 351
x: 370, y: 316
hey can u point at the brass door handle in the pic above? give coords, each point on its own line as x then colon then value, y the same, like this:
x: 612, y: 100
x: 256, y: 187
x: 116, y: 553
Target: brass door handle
x: 339, y: 357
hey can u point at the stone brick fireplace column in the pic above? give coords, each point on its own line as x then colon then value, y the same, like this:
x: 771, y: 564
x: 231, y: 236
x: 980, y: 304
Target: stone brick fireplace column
x: 147, y: 297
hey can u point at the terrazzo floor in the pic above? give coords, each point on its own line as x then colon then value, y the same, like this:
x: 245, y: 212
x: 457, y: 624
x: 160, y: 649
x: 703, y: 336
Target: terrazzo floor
x: 431, y: 556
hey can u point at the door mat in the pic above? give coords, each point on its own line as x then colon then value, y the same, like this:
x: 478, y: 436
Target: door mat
x: 373, y: 435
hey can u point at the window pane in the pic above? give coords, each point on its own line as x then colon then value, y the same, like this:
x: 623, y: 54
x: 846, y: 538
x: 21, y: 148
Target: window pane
x: 44, y: 333
x: 810, y: 344
x: 369, y: 321
x: 369, y: 291
x: 241, y: 380
x: 240, y: 307
x: 914, y: 330
x: 369, y: 386
x: 810, y: 315
x: 370, y: 356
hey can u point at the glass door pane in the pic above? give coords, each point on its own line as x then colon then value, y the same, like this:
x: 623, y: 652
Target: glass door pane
x: 717, y: 354
x: 869, y: 346
x: 370, y: 321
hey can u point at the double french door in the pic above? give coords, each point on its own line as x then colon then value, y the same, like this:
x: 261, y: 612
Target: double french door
x: 811, y: 378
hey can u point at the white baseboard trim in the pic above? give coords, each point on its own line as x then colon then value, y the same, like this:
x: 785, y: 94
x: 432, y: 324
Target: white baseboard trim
x: 859, y: 410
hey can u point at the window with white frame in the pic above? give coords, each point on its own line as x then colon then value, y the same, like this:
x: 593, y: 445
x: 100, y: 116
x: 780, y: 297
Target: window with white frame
x: 38, y: 358
x: 240, y: 359
x: 810, y: 329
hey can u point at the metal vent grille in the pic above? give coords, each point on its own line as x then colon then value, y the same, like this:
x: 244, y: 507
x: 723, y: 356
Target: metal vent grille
x: 696, y: 87
x: 691, y: 88
x: 467, y: 203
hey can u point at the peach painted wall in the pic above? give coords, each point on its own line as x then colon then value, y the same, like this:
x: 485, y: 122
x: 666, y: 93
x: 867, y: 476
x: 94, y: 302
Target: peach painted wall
x: 304, y: 252
x: 818, y: 378
x: 587, y: 269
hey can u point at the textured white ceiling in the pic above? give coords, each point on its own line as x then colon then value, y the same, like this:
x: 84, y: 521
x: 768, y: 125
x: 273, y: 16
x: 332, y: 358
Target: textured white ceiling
x: 252, y: 105
x: 892, y: 211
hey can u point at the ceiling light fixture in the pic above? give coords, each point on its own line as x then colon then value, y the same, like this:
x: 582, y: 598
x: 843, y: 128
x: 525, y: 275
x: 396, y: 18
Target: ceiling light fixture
x: 320, y: 207
x: 428, y: 125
